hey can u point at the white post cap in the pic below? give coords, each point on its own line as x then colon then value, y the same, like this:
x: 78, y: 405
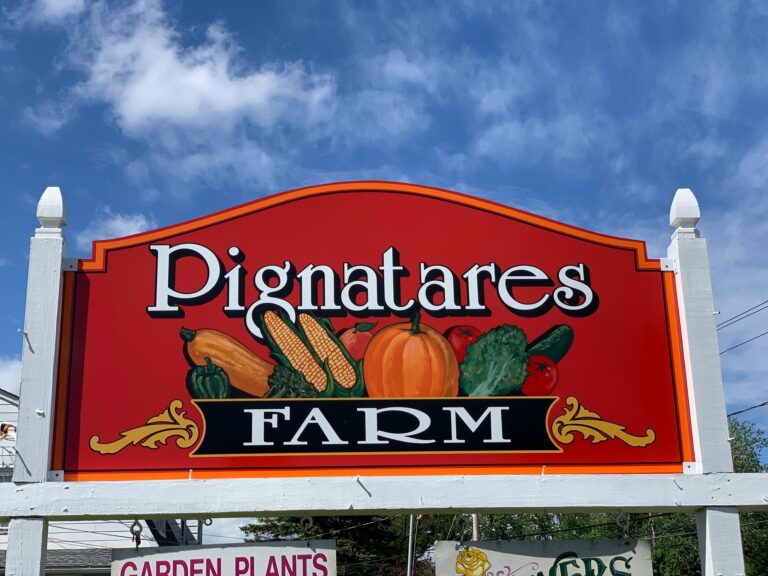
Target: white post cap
x: 50, y: 209
x: 685, y: 211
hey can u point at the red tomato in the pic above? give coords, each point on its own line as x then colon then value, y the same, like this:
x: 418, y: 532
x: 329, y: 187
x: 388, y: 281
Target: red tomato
x: 459, y: 337
x: 356, y: 339
x: 542, y: 377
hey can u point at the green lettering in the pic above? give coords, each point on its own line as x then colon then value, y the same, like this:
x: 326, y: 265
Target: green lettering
x: 615, y: 571
x: 591, y: 563
x: 564, y: 568
x: 564, y: 556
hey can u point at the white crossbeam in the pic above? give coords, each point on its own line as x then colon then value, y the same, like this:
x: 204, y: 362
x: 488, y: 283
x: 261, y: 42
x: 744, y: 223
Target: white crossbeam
x: 380, y: 494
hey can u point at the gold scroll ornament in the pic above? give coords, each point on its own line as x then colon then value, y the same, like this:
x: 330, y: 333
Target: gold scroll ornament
x: 157, y: 430
x: 591, y: 425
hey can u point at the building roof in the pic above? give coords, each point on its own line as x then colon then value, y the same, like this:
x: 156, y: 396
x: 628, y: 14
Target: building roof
x: 75, y: 559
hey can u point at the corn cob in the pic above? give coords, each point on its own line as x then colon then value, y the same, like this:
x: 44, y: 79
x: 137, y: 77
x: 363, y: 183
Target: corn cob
x: 328, y: 350
x: 295, y: 350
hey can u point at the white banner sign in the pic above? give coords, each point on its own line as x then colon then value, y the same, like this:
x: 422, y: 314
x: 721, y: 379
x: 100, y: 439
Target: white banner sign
x: 544, y: 558
x: 313, y: 558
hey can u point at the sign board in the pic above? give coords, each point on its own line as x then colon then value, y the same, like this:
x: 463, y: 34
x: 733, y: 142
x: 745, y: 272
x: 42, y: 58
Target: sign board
x: 544, y: 558
x: 313, y: 558
x: 369, y: 328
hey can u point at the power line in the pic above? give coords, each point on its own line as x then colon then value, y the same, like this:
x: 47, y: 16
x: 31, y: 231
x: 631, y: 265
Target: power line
x: 742, y: 343
x: 691, y: 533
x: 351, y: 527
x: 330, y: 533
x: 109, y: 533
x: 207, y: 535
x: 733, y: 319
x: 585, y: 527
x: 731, y: 323
x: 76, y: 542
x: 748, y: 409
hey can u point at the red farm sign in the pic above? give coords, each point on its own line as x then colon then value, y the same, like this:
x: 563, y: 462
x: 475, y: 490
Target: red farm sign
x: 369, y: 327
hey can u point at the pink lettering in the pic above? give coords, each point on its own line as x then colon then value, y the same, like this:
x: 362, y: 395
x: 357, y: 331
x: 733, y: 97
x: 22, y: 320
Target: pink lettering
x: 125, y: 567
x: 180, y: 564
x: 196, y: 567
x: 303, y: 559
x: 146, y: 570
x: 163, y: 568
x: 288, y: 569
x: 210, y: 569
x: 241, y: 566
x: 318, y: 561
x: 272, y: 567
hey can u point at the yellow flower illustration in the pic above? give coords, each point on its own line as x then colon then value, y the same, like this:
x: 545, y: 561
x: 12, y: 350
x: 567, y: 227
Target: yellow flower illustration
x: 472, y: 562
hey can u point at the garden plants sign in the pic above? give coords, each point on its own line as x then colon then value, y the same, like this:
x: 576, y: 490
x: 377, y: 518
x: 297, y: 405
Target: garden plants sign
x: 372, y: 327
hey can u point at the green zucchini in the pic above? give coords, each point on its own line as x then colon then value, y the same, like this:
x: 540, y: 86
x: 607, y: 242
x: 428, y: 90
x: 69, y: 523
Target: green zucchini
x: 554, y: 343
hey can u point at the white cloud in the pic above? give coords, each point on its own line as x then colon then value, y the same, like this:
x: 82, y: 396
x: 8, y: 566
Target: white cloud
x: 10, y: 373
x: 108, y: 224
x: 134, y: 61
x: 498, y: 90
x: 715, y: 67
x: 707, y: 150
x: 52, y: 12
x: 58, y: 10
x: 195, y: 106
x: 240, y: 161
x: 48, y: 118
x: 567, y: 137
x: 380, y: 116
x: 396, y: 67
x: 752, y: 172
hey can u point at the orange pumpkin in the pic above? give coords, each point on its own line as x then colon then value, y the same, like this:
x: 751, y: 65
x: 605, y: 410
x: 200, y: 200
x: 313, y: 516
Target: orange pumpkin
x: 410, y: 360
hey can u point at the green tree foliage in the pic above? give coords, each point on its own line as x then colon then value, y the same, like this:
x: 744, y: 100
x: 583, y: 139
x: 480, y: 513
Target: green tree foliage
x: 365, y: 545
x: 378, y: 545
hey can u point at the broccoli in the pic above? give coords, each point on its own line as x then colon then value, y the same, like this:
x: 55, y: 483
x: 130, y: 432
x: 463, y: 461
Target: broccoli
x: 286, y: 382
x: 496, y: 364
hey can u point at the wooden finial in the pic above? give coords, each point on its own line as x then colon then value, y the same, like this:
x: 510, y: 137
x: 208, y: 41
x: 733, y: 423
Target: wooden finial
x: 685, y: 211
x: 50, y: 210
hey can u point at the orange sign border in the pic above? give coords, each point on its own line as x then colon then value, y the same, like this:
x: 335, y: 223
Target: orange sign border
x: 98, y: 263
x: 100, y: 247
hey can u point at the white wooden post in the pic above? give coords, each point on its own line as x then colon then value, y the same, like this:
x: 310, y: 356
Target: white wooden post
x: 719, y: 532
x: 27, y: 537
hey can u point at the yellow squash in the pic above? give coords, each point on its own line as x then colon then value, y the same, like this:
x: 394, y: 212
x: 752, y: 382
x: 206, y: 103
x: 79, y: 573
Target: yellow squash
x: 246, y: 371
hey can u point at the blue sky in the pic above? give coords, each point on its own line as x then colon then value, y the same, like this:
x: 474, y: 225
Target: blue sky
x: 147, y: 113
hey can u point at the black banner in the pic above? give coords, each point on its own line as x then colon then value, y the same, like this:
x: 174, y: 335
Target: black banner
x: 250, y: 426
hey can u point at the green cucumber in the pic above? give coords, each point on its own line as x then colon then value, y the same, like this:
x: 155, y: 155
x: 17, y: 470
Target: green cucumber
x: 554, y: 343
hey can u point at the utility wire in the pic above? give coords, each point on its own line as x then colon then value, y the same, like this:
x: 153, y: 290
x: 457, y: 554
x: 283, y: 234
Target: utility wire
x: 207, y: 535
x: 742, y: 343
x: 748, y: 409
x: 692, y: 533
x: 578, y: 528
x: 83, y: 544
x: 109, y: 533
x: 320, y: 536
x: 732, y: 322
x: 734, y: 319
